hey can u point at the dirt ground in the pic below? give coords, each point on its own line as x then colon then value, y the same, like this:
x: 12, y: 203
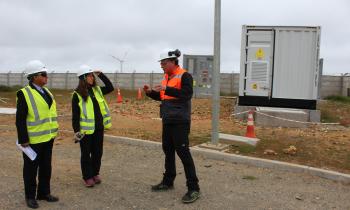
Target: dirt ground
x: 322, y: 146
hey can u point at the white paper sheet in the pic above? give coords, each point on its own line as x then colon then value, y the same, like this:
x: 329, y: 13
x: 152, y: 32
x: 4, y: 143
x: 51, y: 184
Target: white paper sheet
x: 28, y: 151
x: 7, y: 110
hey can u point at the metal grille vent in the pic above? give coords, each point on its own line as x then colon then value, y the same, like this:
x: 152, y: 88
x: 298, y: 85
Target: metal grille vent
x: 259, y: 71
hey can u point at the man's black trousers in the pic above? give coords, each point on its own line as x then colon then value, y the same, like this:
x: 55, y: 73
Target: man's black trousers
x: 91, y: 147
x: 175, y: 138
x: 42, y: 163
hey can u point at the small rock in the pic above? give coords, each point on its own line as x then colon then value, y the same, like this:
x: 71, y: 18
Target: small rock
x: 298, y: 197
x: 269, y: 152
x: 208, y: 166
x: 291, y: 150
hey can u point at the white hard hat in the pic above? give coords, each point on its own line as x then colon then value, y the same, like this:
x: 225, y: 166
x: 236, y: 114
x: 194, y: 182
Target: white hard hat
x: 34, y: 66
x: 168, y: 53
x: 84, y: 69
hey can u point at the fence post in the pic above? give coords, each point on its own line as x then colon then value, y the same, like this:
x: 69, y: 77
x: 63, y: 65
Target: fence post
x: 151, y: 79
x: 22, y: 74
x: 51, y: 79
x: 66, y: 80
x: 232, y: 82
x: 133, y: 80
x: 8, y: 78
x: 116, y: 79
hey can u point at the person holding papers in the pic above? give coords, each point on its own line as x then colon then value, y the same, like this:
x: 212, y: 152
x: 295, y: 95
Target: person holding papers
x: 36, y: 122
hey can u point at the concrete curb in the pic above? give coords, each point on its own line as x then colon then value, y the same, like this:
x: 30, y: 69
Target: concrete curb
x: 233, y: 158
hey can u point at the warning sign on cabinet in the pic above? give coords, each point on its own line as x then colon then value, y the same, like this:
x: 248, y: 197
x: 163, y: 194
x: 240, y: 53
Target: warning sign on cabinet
x: 260, y: 54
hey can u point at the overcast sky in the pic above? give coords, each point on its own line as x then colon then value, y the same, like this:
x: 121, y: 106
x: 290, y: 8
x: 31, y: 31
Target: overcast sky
x: 67, y: 33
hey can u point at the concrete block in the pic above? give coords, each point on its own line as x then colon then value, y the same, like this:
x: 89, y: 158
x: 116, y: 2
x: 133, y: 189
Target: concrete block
x: 233, y: 139
x: 315, y: 116
x: 217, y: 147
x: 281, y: 117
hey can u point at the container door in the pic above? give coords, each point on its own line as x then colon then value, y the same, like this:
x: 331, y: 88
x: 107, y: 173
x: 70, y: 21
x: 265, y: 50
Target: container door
x: 203, y: 76
x: 258, y: 64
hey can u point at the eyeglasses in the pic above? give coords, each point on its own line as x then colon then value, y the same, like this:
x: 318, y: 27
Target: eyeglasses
x: 43, y: 74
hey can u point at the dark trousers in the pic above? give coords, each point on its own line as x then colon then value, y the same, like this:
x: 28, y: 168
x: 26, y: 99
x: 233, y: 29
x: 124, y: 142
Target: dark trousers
x: 42, y: 163
x: 91, y: 147
x: 175, y: 138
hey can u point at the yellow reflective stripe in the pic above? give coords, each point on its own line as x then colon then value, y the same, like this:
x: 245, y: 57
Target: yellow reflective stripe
x: 32, y: 101
x: 39, y: 122
x: 87, y: 120
x: 41, y: 133
x: 84, y: 108
x: 87, y: 128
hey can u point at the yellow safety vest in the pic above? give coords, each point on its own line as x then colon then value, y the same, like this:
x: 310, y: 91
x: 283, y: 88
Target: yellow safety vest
x: 87, y: 116
x: 42, y: 123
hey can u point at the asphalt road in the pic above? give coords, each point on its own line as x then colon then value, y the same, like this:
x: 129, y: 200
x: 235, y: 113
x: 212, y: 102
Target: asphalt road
x: 129, y: 171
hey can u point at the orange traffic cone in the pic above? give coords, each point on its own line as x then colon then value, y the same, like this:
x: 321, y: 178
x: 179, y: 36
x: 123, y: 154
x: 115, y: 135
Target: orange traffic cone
x: 139, y: 94
x: 250, y: 126
x: 119, y: 96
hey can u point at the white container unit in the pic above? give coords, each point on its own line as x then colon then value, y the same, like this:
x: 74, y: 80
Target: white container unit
x: 279, y: 66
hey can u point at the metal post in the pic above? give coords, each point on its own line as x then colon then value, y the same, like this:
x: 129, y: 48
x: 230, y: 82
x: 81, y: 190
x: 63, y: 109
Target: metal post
x: 320, y: 73
x: 216, y: 75
x: 116, y: 79
x: 22, y: 74
x: 133, y: 80
x: 8, y: 78
x: 51, y: 79
x: 232, y: 82
x: 66, y: 80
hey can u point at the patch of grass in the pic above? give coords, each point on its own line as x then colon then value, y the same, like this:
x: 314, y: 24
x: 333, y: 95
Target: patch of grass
x: 347, y: 162
x: 196, y: 139
x: 327, y: 116
x: 245, y: 149
x: 342, y: 99
x: 248, y: 177
x: 4, y: 88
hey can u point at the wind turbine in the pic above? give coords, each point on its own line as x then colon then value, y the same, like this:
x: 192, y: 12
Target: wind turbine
x: 121, y: 61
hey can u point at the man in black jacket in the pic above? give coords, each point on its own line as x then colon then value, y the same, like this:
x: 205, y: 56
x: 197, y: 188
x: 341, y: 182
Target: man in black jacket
x: 30, y: 101
x: 175, y: 93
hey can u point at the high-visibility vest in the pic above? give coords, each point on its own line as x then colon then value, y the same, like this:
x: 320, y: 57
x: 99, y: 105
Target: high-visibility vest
x: 87, y: 115
x: 42, y: 123
x: 173, y: 81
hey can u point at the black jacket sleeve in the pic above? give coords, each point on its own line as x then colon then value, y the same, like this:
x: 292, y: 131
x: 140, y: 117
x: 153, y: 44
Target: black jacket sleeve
x: 186, y: 91
x: 21, y: 118
x: 75, y: 113
x: 108, y: 85
x: 154, y: 95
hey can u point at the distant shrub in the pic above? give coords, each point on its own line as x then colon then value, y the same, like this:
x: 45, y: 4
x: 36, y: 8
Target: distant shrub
x: 4, y: 88
x: 343, y: 99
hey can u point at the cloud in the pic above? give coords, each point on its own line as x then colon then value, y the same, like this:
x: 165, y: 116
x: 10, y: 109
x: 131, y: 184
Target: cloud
x: 65, y: 34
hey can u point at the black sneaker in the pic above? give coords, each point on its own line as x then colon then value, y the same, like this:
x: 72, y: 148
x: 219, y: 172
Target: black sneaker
x: 31, y: 203
x: 161, y: 187
x: 48, y: 198
x: 190, y: 196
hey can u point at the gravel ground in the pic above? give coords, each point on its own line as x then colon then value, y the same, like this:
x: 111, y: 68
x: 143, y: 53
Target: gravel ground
x: 129, y: 171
